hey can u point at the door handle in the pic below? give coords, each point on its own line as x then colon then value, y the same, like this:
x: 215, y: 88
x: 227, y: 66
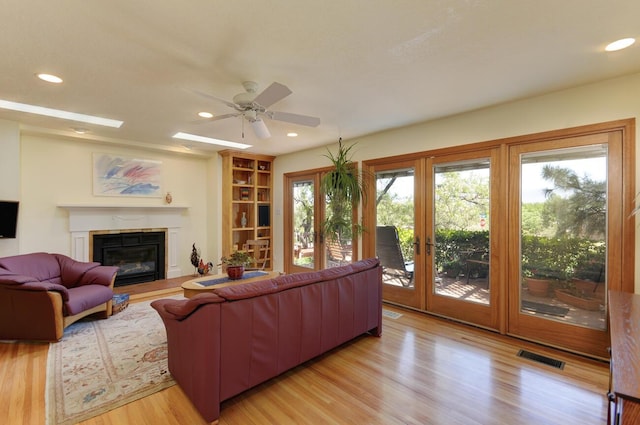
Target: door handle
x: 416, y: 244
x: 429, y: 245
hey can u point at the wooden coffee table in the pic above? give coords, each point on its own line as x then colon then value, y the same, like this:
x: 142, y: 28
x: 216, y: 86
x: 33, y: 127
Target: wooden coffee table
x: 193, y: 287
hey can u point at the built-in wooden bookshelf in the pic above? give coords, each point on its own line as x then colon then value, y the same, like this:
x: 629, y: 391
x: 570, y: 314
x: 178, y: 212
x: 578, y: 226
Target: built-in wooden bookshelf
x: 247, y: 186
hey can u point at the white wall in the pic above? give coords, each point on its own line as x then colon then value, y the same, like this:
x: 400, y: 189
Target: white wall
x: 10, y: 177
x: 605, y: 101
x: 57, y: 171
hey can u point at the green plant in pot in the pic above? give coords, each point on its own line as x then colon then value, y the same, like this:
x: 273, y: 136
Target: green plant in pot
x: 235, y: 263
x: 344, y: 188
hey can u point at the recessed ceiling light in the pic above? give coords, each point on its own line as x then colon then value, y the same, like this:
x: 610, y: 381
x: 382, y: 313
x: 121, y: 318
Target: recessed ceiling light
x: 50, y: 78
x: 57, y: 113
x: 205, y: 114
x: 292, y: 134
x: 80, y: 130
x: 210, y: 140
x: 620, y: 44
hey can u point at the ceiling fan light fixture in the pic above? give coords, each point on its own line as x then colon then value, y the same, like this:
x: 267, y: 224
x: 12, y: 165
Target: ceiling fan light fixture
x: 260, y: 129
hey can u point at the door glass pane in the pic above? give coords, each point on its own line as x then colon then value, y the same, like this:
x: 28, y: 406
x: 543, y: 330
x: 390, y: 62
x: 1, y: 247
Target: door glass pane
x: 339, y: 245
x: 303, y: 216
x: 395, y: 225
x: 563, y: 216
x: 461, y: 230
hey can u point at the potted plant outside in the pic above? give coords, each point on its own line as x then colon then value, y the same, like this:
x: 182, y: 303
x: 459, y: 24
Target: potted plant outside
x: 571, y: 296
x: 235, y: 264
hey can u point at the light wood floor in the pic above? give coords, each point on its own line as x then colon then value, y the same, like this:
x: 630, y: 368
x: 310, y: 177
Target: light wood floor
x: 423, y: 370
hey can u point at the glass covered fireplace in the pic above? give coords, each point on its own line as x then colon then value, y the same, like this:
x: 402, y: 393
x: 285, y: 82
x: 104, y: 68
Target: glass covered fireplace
x: 139, y: 256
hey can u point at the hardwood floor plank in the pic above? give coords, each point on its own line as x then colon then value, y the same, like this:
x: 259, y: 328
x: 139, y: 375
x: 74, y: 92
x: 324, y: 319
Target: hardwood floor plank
x: 423, y: 370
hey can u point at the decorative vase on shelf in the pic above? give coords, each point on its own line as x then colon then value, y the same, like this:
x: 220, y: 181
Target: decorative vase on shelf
x: 168, y: 198
x: 243, y: 219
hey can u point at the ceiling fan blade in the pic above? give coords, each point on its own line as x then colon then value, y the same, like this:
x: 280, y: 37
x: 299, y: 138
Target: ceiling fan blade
x: 272, y: 94
x: 217, y: 99
x: 216, y: 118
x: 294, y: 118
x: 260, y: 129
x: 221, y: 117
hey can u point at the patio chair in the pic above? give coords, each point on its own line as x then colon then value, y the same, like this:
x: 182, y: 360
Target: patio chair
x: 390, y: 255
x: 337, y: 253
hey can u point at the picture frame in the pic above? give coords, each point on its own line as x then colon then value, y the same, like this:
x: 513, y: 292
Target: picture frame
x: 117, y: 175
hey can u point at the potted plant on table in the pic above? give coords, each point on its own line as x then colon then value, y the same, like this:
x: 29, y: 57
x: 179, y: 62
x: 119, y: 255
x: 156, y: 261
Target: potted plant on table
x: 235, y: 264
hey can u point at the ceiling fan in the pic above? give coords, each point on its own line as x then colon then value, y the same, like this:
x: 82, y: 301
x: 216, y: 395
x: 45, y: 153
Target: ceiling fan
x: 254, y: 107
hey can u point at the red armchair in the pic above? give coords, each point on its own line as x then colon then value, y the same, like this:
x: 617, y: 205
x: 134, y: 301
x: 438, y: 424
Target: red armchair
x: 41, y: 294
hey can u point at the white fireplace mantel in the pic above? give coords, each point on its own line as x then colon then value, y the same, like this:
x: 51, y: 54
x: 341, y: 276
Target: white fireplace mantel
x: 86, y: 218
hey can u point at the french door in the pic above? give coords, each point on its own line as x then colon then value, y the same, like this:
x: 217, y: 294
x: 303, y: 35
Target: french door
x: 303, y: 214
x: 461, y: 240
x: 394, y: 227
x: 433, y: 218
x: 465, y: 232
x: 306, y: 248
x: 565, y: 242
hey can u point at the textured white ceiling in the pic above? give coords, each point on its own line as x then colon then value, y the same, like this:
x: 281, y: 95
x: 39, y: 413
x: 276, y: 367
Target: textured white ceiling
x: 361, y: 66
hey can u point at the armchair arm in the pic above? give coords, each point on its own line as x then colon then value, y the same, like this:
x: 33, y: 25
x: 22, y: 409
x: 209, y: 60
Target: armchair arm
x: 35, y: 285
x: 99, y: 275
x: 15, y: 279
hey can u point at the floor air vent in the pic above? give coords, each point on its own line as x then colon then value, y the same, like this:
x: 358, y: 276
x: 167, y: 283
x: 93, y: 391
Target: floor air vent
x: 541, y: 359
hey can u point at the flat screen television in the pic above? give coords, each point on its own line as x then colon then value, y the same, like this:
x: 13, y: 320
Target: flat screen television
x: 8, y: 219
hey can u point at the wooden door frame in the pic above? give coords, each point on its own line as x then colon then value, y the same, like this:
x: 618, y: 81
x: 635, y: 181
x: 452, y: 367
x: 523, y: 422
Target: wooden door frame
x: 625, y: 274
x: 319, y: 214
x: 483, y: 315
x: 405, y: 296
x: 619, y: 264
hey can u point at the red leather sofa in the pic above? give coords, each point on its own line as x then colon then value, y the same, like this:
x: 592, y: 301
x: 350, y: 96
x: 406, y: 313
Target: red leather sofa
x: 41, y: 294
x: 226, y: 341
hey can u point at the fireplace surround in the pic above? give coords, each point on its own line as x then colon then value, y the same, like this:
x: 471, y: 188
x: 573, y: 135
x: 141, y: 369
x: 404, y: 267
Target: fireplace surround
x: 87, y: 220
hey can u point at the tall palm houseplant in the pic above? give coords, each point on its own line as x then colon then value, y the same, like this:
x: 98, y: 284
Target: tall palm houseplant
x: 343, y: 187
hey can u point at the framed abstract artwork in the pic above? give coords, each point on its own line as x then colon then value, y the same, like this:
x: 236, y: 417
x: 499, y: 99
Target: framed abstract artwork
x: 116, y: 175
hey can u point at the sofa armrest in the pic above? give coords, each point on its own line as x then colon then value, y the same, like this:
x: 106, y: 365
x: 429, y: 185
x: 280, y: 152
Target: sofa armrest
x: 181, y: 309
x: 43, y: 286
x: 15, y: 279
x: 99, y: 275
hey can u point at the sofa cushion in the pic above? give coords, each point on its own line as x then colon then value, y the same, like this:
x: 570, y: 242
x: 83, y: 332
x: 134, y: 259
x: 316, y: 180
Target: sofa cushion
x: 179, y: 309
x: 286, y: 281
x: 82, y: 298
x: 247, y: 290
x: 40, y: 265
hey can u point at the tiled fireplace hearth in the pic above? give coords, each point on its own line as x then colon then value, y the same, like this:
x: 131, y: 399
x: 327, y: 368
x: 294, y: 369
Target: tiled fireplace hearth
x: 85, y: 221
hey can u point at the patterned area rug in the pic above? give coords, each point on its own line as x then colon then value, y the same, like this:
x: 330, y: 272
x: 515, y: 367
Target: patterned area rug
x: 100, y: 365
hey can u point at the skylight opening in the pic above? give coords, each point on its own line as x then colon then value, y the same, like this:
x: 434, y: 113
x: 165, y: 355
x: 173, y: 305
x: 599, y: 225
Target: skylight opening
x: 209, y: 140
x: 57, y: 113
